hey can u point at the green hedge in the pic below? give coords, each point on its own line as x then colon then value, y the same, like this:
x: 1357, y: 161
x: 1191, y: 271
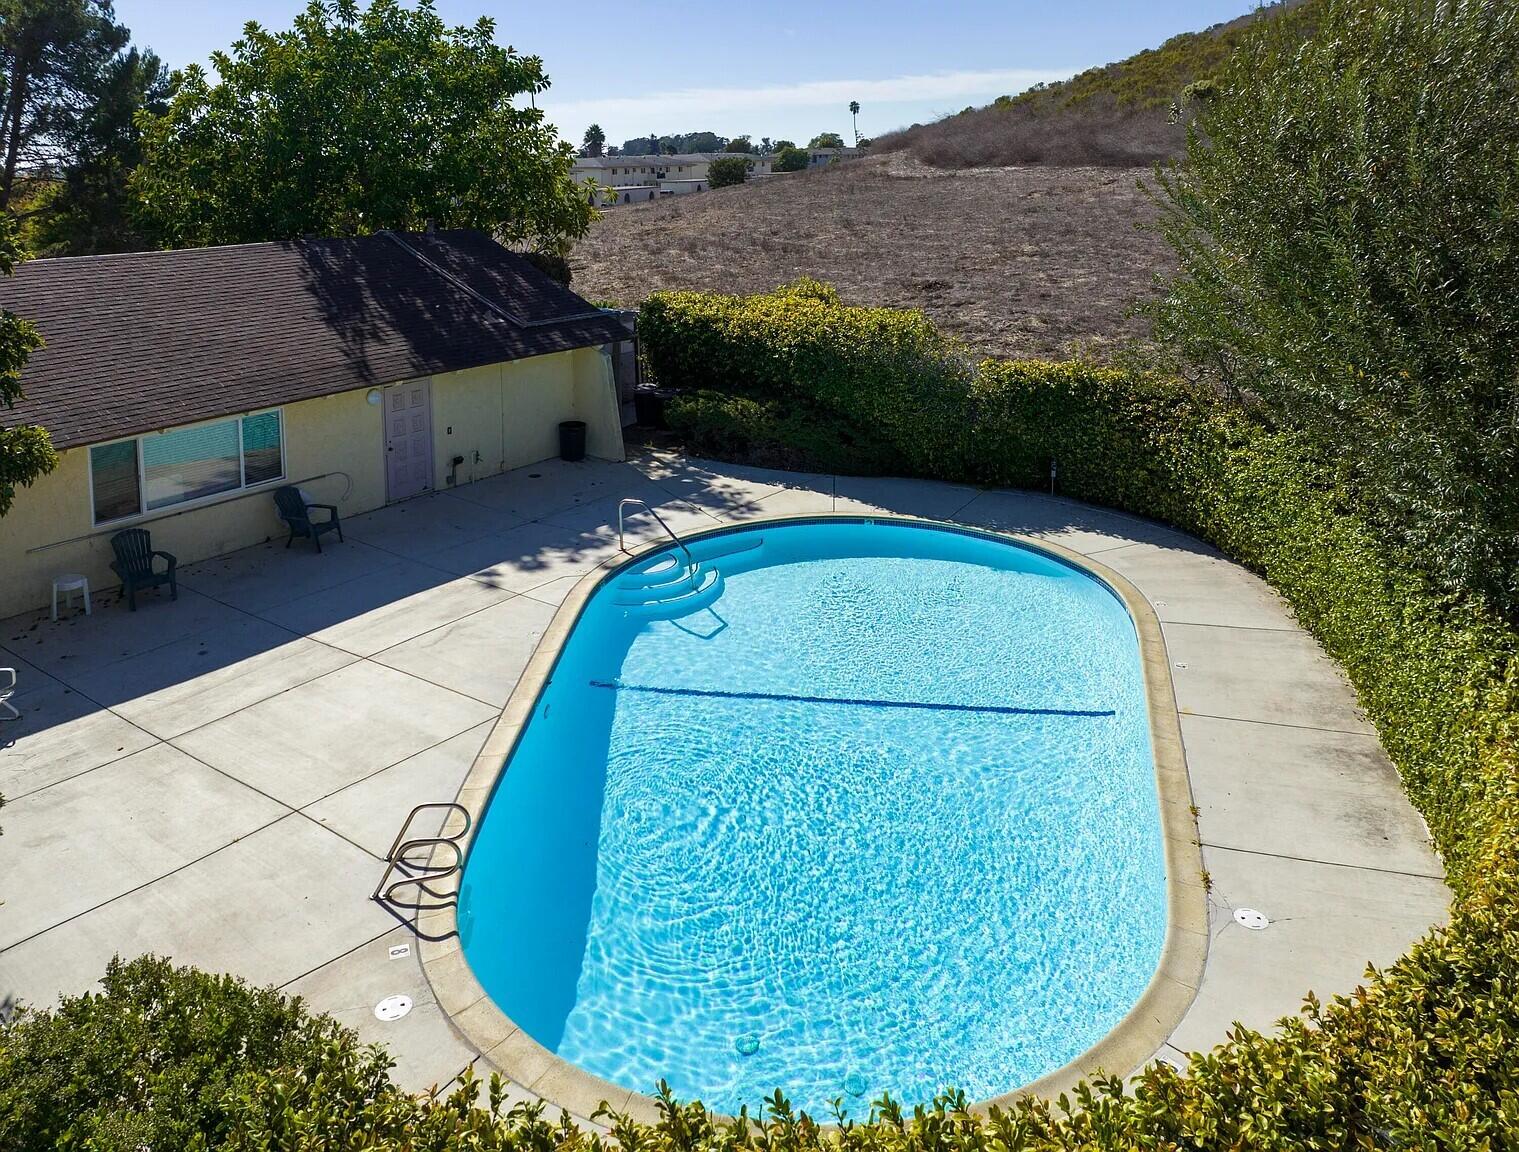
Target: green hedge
x: 1425, y: 1056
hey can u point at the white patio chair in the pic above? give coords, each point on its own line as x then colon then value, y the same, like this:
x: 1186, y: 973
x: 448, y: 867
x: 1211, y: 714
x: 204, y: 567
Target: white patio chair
x: 8, y: 710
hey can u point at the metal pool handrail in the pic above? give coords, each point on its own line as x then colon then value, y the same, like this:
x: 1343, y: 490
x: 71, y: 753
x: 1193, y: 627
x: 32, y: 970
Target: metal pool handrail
x: 417, y: 875
x: 679, y: 543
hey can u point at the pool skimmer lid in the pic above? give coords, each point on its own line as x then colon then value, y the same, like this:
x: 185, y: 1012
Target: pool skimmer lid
x: 1251, y: 919
x: 392, y: 1008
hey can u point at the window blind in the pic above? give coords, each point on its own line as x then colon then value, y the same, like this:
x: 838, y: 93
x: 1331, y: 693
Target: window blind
x: 262, y: 460
x: 190, y: 463
x: 113, y: 479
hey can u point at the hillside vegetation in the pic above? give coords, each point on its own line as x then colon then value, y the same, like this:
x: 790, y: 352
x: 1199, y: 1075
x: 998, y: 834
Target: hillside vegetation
x: 1120, y: 114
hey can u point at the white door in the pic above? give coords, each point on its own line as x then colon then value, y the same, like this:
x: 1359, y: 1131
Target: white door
x: 408, y: 439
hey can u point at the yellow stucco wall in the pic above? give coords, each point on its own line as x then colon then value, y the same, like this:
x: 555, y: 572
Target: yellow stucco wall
x: 508, y: 413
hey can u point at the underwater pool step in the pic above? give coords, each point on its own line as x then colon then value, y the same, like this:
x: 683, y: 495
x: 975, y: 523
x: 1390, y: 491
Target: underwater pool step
x: 660, y: 569
x: 674, y: 607
x: 667, y: 567
x: 666, y: 582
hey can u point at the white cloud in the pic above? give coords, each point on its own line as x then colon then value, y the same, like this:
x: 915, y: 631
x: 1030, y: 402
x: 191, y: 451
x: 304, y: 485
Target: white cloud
x: 774, y: 108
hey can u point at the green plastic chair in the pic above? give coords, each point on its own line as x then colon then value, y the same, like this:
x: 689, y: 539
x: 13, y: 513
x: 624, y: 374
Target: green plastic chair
x: 296, y: 514
x: 134, y: 564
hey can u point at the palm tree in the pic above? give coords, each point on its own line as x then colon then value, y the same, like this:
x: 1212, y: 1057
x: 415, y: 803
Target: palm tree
x: 854, y: 112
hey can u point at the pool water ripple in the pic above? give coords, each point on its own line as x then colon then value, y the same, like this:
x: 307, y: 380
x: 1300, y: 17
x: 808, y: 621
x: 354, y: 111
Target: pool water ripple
x: 897, y: 821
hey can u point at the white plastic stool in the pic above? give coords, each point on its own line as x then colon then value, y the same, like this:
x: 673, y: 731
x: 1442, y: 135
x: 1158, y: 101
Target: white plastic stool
x: 68, y: 583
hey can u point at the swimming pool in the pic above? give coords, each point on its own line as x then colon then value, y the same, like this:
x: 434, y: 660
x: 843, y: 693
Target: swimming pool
x: 861, y: 807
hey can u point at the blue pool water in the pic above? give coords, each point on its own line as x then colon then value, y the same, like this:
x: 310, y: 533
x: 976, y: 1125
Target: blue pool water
x: 876, y: 813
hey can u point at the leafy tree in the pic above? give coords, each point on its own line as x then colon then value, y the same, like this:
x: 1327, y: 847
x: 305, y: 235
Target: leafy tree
x: 595, y: 141
x: 790, y: 159
x: 51, y: 52
x: 826, y: 140
x: 727, y: 171
x: 91, y: 209
x: 740, y: 144
x: 854, y: 116
x: 700, y: 142
x: 355, y: 120
x: 657, y: 145
x: 765, y: 144
x: 25, y: 450
x: 1347, y: 223
x: 782, y: 145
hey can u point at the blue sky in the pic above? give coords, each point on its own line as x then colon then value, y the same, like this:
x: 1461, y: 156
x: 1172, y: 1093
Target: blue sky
x: 783, y: 68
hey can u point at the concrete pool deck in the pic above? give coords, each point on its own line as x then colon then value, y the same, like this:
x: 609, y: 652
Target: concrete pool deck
x: 218, y: 778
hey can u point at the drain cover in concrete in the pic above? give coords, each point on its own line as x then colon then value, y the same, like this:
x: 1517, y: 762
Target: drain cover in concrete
x: 1250, y: 918
x: 392, y: 1008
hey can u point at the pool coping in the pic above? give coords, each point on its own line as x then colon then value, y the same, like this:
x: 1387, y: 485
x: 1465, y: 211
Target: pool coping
x: 1121, y: 1051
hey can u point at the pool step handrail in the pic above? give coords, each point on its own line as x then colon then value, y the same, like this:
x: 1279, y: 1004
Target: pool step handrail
x: 386, y: 891
x: 622, y: 506
x: 418, y: 875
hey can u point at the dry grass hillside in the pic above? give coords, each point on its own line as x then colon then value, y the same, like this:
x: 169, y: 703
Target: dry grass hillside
x: 1121, y: 114
x: 1027, y: 262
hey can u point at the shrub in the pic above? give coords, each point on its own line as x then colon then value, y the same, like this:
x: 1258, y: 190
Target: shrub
x: 774, y: 434
x: 789, y: 159
x: 1347, y: 224
x: 156, y: 1060
x: 726, y: 172
x: 800, y: 345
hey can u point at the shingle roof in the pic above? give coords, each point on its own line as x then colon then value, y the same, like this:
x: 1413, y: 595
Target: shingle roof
x: 148, y: 340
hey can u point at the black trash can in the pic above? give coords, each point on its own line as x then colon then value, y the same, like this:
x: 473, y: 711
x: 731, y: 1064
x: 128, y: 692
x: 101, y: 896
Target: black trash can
x: 649, y: 406
x: 572, y: 440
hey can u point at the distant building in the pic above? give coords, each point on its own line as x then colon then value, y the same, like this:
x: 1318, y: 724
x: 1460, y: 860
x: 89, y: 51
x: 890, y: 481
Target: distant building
x: 637, y: 179
x: 822, y: 157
